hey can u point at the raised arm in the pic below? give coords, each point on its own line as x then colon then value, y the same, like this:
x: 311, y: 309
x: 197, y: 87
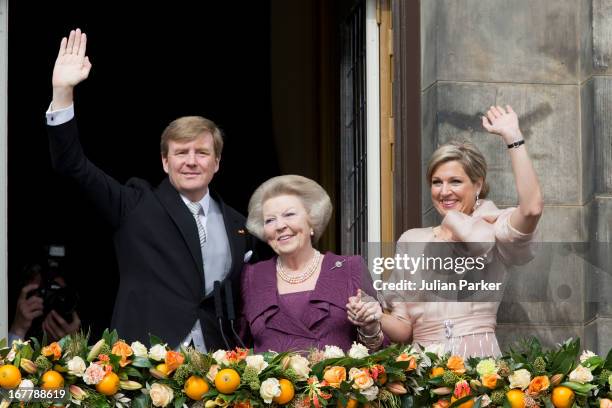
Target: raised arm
x: 72, y: 66
x: 504, y: 122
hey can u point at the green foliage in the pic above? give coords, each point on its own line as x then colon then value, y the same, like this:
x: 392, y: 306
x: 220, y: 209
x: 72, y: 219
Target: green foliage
x: 110, y: 338
x: 450, y: 379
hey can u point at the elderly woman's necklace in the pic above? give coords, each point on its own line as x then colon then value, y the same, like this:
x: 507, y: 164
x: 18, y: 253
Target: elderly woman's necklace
x: 301, y: 277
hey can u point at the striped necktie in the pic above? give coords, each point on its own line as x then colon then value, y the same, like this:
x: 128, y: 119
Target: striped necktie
x: 195, y: 209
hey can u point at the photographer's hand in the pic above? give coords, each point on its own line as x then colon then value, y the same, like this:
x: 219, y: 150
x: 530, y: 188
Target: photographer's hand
x: 56, y: 327
x: 28, y: 309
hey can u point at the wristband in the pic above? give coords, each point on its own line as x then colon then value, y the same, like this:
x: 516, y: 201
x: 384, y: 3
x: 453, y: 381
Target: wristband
x: 516, y: 144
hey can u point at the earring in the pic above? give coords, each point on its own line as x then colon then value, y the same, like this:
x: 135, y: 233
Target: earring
x: 312, y: 233
x: 477, y: 200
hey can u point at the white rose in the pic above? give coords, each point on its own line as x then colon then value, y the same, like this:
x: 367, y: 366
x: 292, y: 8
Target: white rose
x: 300, y: 364
x: 358, y: 350
x: 139, y: 349
x: 586, y: 354
x: 76, y: 366
x: 269, y: 389
x: 485, y: 401
x: 212, y: 372
x: 28, y: 385
x: 520, y: 379
x: 221, y: 357
x: 581, y: 374
x: 158, y: 352
x: 333, y: 352
x: 435, y: 348
x: 161, y: 395
x: 257, y: 362
x: 370, y: 393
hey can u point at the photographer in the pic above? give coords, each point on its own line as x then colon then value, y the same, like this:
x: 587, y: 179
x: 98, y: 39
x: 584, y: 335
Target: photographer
x: 44, y: 305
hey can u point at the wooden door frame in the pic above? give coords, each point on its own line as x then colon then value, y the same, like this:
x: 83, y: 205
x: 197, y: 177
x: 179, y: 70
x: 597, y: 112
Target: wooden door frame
x: 407, y: 115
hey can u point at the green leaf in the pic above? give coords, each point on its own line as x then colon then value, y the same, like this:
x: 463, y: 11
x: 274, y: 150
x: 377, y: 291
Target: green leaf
x: 142, y: 401
x: 547, y: 402
x: 3, y: 342
x: 132, y: 372
x: 178, y: 402
x: 153, y: 339
x: 407, y: 401
x: 142, y: 362
x: 580, y: 389
x: 110, y: 338
x: 478, y: 402
x: 608, y: 363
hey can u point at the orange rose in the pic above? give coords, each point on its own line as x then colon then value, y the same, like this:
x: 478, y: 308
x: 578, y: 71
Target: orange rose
x: 456, y: 365
x: 412, y: 365
x: 122, y: 350
x: 441, y: 404
x: 235, y: 356
x: 538, y: 384
x: 605, y: 403
x: 52, y: 350
x: 490, y: 380
x: 335, y: 375
x: 173, y: 360
x: 361, y: 378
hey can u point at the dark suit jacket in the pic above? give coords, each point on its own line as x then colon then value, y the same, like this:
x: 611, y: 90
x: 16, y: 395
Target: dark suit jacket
x: 157, y: 247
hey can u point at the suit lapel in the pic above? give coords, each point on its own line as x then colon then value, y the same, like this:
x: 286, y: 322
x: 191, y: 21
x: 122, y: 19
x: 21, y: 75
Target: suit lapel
x: 178, y: 211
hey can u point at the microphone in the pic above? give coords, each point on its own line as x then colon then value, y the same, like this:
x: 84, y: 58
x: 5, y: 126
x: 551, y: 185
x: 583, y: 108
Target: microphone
x: 219, y: 310
x: 231, y: 312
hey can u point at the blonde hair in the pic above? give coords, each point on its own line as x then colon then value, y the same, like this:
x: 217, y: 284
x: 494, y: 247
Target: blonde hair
x: 188, y: 128
x: 470, y: 158
x: 314, y: 198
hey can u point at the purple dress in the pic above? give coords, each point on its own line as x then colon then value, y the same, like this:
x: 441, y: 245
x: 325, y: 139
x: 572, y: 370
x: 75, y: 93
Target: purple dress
x: 302, y: 320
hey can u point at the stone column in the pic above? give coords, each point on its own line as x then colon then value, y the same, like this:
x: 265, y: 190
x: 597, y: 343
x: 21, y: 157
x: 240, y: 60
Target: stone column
x: 549, y: 60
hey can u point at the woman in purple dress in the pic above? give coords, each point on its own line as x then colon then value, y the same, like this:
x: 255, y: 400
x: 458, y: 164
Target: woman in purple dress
x: 298, y: 299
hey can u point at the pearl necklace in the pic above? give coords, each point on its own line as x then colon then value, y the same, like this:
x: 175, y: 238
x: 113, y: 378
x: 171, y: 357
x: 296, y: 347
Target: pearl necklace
x: 302, y: 277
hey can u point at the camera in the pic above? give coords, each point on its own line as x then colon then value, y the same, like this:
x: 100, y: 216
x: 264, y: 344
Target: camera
x: 52, y: 289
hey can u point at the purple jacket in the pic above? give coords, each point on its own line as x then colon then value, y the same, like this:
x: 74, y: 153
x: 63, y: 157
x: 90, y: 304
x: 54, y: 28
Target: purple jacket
x: 323, y: 320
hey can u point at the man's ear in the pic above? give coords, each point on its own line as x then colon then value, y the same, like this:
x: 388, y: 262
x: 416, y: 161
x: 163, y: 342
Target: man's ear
x: 164, y: 160
x: 217, y: 162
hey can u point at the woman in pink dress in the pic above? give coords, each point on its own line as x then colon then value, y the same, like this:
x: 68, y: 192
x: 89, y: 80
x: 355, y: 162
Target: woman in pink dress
x: 457, y: 177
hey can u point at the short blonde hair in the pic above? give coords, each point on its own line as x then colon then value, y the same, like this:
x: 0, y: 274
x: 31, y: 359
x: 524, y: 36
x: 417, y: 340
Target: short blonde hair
x: 314, y: 198
x: 188, y: 128
x: 470, y: 158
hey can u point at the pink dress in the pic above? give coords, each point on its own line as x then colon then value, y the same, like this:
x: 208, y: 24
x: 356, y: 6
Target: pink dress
x: 463, y: 328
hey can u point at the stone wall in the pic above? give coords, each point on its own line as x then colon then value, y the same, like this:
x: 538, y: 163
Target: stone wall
x: 552, y: 61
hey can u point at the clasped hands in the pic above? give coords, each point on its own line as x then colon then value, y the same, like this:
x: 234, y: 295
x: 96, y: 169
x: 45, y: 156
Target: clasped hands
x: 364, y: 312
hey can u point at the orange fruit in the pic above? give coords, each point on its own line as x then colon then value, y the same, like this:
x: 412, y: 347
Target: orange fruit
x: 195, y: 387
x: 516, y: 398
x: 227, y: 381
x: 287, y: 392
x: 51, y: 380
x: 10, y: 376
x: 562, y: 397
x: 109, y: 385
x: 351, y: 403
x: 466, y: 404
x: 436, y: 372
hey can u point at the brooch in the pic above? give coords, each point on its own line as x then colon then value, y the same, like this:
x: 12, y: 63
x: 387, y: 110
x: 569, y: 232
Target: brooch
x: 241, y: 232
x: 338, y: 264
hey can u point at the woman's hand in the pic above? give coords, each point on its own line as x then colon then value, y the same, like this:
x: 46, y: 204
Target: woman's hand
x: 503, y: 122
x: 364, y: 311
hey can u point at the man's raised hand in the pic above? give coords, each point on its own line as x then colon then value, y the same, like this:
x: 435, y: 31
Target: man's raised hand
x: 71, y: 67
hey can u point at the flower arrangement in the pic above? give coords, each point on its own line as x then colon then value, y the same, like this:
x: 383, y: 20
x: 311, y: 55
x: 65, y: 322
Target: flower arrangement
x: 113, y: 373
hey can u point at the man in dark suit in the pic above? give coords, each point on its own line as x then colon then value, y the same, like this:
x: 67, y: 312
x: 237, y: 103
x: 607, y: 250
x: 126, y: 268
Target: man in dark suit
x: 172, y: 242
